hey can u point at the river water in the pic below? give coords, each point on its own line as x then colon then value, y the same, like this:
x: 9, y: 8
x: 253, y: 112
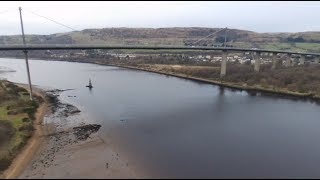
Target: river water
x: 178, y: 128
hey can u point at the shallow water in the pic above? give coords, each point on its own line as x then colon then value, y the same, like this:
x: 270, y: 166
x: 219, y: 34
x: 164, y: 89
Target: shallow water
x: 173, y: 127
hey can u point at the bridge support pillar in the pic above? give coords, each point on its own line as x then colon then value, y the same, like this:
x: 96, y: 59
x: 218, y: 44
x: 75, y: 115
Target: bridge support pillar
x: 223, y: 69
x: 288, y: 61
x: 257, y: 62
x: 317, y: 59
x: 274, y: 60
x: 302, y: 59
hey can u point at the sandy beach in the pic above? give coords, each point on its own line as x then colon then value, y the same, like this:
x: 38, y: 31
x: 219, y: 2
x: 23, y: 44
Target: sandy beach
x: 65, y: 145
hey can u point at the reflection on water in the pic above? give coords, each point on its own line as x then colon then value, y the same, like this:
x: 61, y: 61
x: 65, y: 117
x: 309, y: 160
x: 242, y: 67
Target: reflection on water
x: 90, y: 90
x: 178, y: 128
x: 221, y: 90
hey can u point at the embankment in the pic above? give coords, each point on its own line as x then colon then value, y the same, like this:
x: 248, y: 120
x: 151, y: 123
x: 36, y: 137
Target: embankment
x: 278, y: 91
x: 26, y: 153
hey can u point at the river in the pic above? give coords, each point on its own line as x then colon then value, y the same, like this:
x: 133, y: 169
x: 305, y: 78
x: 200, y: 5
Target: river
x: 177, y: 128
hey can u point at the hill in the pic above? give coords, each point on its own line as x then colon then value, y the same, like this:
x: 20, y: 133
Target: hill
x: 300, y: 41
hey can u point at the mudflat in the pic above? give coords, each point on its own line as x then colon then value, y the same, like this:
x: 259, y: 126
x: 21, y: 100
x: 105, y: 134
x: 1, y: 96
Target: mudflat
x: 71, y: 148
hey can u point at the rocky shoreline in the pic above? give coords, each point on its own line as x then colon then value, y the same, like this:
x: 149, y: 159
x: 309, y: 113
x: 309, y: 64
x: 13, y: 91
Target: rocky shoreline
x: 65, y: 135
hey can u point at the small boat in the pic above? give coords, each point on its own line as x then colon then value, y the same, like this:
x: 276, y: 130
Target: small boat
x: 90, y: 85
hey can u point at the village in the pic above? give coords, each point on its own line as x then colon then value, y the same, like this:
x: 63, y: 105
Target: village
x: 242, y: 58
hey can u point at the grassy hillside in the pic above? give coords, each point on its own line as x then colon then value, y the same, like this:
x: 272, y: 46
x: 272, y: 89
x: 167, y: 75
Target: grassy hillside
x: 16, y: 120
x: 300, y: 41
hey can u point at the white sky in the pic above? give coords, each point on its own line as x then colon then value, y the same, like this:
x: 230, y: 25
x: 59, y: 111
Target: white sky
x: 255, y: 16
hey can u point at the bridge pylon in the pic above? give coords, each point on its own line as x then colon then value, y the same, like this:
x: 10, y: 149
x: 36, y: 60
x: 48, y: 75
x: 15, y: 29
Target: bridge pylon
x: 26, y: 54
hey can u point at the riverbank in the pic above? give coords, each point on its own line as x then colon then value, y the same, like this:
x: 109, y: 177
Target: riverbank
x: 296, y: 82
x: 24, y: 157
x: 71, y: 147
x: 66, y: 144
x: 61, y: 141
x: 193, y: 113
x: 270, y: 89
x: 223, y: 83
x: 256, y: 88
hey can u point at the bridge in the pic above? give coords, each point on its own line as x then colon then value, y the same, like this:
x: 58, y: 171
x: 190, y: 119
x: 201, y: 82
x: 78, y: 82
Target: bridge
x: 102, y: 46
x: 225, y: 50
x: 256, y: 52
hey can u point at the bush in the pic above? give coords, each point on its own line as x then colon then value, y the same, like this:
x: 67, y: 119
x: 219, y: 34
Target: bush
x: 6, y: 130
x: 25, y: 120
x: 26, y: 127
x: 26, y: 93
x: 4, y: 163
x: 30, y: 111
x: 12, y: 112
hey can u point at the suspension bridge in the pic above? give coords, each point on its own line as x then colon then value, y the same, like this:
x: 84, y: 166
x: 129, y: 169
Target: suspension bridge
x: 256, y: 52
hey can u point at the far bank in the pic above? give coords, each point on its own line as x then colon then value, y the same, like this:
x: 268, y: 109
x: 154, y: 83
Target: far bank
x: 297, y: 82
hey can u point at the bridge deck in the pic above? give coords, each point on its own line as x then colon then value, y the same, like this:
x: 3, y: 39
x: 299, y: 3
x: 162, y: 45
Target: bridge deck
x: 67, y: 47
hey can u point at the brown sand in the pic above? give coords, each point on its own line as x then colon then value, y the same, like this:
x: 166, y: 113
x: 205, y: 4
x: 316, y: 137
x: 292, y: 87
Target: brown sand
x: 88, y: 159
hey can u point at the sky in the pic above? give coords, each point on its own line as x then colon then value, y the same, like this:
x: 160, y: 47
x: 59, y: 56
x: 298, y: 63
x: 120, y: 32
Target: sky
x: 264, y: 16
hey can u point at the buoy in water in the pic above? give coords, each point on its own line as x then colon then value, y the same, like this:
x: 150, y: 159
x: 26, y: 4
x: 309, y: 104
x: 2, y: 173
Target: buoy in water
x: 90, y: 85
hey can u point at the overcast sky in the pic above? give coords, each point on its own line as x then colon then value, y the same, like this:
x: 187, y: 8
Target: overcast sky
x: 255, y: 16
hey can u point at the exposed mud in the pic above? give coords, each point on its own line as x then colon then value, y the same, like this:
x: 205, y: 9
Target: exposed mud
x: 59, y: 140
x: 57, y: 135
x: 83, y: 132
x: 72, y: 147
x: 56, y: 105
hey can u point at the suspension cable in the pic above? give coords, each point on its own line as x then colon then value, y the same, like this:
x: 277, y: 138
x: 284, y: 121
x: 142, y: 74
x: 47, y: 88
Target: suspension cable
x: 51, y: 20
x: 210, y: 35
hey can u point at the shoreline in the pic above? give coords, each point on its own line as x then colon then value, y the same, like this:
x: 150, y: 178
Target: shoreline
x: 54, y: 150
x: 282, y: 93
x: 25, y: 155
x: 278, y: 92
x: 94, y: 146
x: 67, y: 145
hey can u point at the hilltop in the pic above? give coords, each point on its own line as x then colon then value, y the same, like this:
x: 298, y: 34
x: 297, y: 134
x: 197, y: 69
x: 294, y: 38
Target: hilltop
x: 300, y: 41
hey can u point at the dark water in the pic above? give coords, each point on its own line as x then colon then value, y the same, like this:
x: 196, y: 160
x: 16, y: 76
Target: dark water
x: 178, y: 128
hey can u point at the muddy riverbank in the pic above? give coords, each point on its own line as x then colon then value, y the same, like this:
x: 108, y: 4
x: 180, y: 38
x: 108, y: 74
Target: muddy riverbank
x: 66, y: 146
